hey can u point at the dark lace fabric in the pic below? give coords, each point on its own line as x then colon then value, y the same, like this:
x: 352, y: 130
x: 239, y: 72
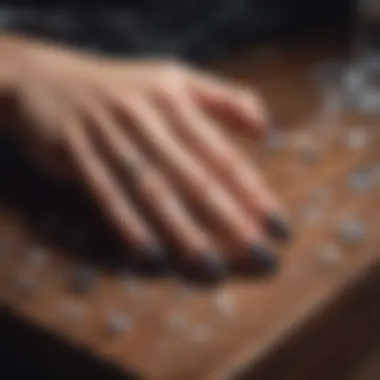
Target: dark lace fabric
x: 190, y: 29
x: 193, y: 29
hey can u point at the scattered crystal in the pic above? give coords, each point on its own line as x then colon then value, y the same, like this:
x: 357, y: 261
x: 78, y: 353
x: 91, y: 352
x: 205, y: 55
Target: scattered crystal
x: 370, y: 101
x: 330, y: 255
x: 321, y: 194
x: 37, y: 257
x: 119, y: 322
x: 357, y: 139
x: 224, y: 304
x: 72, y: 311
x: 275, y: 140
x: 131, y: 285
x: 25, y: 283
x: 176, y: 321
x: 360, y: 180
x: 200, y: 333
x: 352, y: 231
x: 376, y: 175
x: 354, y: 80
x: 83, y: 280
x: 310, y: 155
x: 312, y: 215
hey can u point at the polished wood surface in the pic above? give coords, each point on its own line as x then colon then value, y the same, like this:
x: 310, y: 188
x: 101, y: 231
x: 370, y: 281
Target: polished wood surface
x: 180, y: 332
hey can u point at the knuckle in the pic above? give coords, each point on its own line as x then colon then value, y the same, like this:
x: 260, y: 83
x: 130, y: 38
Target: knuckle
x: 173, y: 72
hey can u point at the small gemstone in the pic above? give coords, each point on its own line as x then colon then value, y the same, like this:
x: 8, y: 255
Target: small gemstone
x: 118, y: 323
x: 37, y: 257
x: 131, y: 285
x: 321, y: 195
x: 376, y: 175
x: 83, y: 280
x: 360, y: 181
x: 224, y: 304
x: 370, y: 101
x: 176, y: 322
x: 310, y: 155
x: 330, y: 255
x: 25, y: 283
x: 275, y: 141
x: 72, y: 311
x: 200, y: 333
x: 352, y: 231
x: 312, y: 215
x: 357, y: 139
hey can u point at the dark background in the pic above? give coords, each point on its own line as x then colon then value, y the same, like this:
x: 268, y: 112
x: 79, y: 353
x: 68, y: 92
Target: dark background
x: 192, y: 29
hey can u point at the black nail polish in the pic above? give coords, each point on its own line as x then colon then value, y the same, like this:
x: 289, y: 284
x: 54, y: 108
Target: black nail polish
x: 212, y: 267
x: 151, y: 260
x: 207, y: 269
x: 278, y: 227
x: 263, y: 259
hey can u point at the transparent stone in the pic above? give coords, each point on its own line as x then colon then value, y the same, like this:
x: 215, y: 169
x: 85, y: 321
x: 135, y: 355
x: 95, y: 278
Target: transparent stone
x: 224, y: 304
x: 83, y: 280
x: 118, y: 323
x: 275, y: 141
x: 369, y: 101
x: 176, y: 321
x: 132, y: 285
x: 312, y: 215
x: 73, y: 312
x: 26, y: 283
x: 357, y: 139
x: 360, y: 181
x: 354, y: 80
x: 37, y: 257
x: 330, y: 255
x: 376, y: 174
x: 200, y: 333
x: 352, y: 231
x: 321, y: 195
x: 310, y: 155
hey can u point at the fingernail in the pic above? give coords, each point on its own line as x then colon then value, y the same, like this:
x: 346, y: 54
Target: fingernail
x: 207, y: 268
x: 152, y: 259
x: 278, y: 227
x: 264, y: 259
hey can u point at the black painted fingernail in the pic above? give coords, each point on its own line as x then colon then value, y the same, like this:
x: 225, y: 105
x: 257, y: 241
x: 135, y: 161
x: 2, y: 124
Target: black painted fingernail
x: 278, y: 227
x: 264, y: 259
x: 207, y: 268
x: 212, y: 267
x: 152, y: 260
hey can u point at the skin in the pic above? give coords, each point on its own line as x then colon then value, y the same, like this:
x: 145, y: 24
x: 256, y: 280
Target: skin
x: 146, y: 133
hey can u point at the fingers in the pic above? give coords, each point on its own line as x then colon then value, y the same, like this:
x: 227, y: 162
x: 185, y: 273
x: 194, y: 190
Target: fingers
x: 208, y: 142
x: 199, y: 253
x: 197, y: 183
x: 243, y: 105
x: 109, y: 195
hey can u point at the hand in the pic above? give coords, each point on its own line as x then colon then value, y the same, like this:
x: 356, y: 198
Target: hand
x: 144, y: 138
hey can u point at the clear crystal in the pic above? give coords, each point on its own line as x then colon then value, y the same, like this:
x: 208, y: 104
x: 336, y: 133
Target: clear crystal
x: 357, y: 139
x: 119, y: 322
x: 352, y: 231
x: 330, y: 255
x: 176, y: 321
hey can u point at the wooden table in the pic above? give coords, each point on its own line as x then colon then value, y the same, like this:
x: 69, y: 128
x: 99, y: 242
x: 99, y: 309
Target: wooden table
x: 317, y: 318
